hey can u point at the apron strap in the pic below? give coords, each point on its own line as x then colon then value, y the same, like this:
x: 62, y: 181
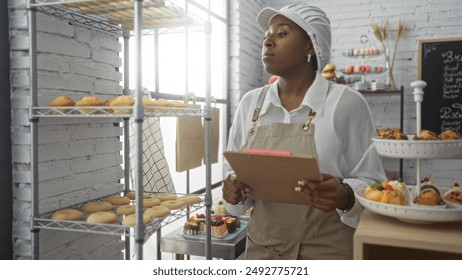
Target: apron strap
x: 256, y: 112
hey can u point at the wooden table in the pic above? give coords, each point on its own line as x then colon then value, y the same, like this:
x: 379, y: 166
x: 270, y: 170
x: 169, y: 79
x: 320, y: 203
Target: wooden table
x: 381, y: 237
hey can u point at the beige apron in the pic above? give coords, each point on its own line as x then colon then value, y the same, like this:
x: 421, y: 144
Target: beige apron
x: 290, y: 231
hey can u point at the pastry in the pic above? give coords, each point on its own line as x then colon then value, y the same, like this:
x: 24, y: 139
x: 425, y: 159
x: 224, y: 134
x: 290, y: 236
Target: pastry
x: 392, y: 192
x: 392, y: 133
x: 454, y: 195
x: 218, y: 229
x: 383, y: 131
x: 426, y: 135
x: 61, y: 101
x: 449, y: 135
x: 192, y: 227
x: 68, y: 214
x: 231, y: 222
x: 429, y: 194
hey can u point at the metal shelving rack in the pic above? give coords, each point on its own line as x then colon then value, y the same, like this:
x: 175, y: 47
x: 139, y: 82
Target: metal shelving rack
x: 124, y: 18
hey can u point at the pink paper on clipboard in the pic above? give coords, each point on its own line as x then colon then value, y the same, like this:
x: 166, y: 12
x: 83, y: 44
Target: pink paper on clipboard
x: 273, y: 177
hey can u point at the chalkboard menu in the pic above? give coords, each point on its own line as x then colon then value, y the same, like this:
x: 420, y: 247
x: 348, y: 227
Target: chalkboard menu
x: 440, y: 65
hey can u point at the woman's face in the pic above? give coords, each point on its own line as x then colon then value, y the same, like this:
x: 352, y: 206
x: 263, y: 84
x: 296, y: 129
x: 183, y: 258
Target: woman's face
x: 285, y: 47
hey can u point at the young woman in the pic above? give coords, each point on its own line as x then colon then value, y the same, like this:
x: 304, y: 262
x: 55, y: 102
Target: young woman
x: 296, y: 48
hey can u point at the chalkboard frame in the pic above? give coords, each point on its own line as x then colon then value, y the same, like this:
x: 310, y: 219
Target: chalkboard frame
x: 426, y: 123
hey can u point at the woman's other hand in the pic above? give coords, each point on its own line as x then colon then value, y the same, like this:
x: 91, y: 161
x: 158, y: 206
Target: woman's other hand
x: 233, y: 190
x: 326, y: 195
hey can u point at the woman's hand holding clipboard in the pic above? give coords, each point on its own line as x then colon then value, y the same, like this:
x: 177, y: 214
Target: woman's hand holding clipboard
x: 272, y: 175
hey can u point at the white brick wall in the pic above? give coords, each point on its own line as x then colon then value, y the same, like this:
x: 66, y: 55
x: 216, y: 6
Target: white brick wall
x: 350, y: 19
x: 79, y: 160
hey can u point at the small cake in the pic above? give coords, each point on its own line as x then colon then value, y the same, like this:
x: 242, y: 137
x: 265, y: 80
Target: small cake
x: 232, y: 223
x: 392, y: 192
x: 429, y: 194
x: 192, y: 228
x: 454, y: 195
x: 218, y: 229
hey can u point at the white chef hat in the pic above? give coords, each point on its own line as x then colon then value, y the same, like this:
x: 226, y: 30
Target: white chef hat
x: 311, y: 19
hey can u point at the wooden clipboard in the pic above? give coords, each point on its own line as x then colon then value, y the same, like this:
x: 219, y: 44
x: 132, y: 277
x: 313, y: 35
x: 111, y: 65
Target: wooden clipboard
x: 273, y: 177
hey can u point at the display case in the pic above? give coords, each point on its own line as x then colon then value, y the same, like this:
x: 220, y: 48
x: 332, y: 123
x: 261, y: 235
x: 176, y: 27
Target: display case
x: 130, y: 19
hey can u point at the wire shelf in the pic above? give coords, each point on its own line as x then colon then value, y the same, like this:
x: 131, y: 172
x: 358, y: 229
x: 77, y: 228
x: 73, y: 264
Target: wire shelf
x: 113, y: 16
x: 45, y: 222
x: 114, y: 111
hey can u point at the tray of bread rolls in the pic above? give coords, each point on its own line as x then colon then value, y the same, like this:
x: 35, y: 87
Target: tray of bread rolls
x: 433, y: 204
x: 391, y: 142
x: 115, y: 214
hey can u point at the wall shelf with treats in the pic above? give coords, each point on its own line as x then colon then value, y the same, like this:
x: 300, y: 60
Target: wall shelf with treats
x: 130, y: 19
x: 364, y: 68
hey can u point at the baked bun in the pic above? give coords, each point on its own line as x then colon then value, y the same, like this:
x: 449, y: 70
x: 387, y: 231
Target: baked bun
x: 97, y: 206
x: 157, y: 211
x: 166, y: 196
x: 105, y: 217
x: 132, y: 195
x: 61, y: 101
x: 118, y: 200
x: 329, y: 71
x: 89, y: 101
x: 329, y: 68
x: 130, y: 220
x: 68, y: 214
x: 123, y: 101
x: 392, y: 192
x: 328, y: 76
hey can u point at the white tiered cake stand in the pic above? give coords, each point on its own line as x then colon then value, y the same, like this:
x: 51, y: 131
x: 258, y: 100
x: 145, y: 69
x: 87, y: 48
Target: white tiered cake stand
x: 415, y: 149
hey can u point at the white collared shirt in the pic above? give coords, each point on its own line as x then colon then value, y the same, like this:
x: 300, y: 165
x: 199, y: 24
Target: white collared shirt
x: 343, y: 131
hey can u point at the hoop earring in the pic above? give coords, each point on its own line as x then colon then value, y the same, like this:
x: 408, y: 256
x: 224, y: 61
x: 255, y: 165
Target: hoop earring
x: 309, y: 58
